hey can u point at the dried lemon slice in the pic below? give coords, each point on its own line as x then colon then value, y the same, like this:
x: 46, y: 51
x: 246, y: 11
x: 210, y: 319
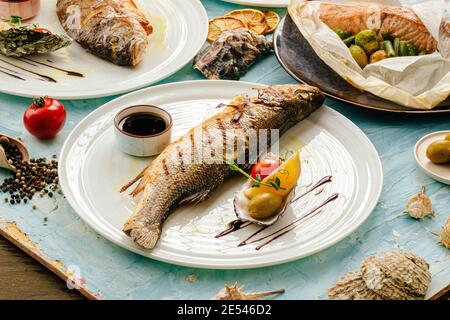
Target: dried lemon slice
x: 258, y: 28
x: 249, y: 16
x: 272, y: 20
x: 222, y: 24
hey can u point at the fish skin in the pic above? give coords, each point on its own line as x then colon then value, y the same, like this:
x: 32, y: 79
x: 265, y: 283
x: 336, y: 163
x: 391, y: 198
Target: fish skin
x: 232, y: 54
x: 170, y: 180
x: 112, y: 29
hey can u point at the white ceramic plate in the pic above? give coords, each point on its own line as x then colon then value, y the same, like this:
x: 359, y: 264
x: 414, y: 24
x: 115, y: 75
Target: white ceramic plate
x: 438, y: 172
x: 92, y: 170
x: 262, y: 3
x: 180, y: 29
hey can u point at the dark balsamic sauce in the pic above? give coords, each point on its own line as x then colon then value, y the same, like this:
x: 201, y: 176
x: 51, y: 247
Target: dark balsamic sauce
x: 68, y: 72
x: 40, y: 76
x: 237, y: 224
x: 143, y: 124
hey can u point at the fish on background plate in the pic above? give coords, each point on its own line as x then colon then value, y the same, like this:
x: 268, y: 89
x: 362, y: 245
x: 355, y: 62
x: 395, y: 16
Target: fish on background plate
x: 170, y: 181
x: 399, y: 22
x: 114, y: 30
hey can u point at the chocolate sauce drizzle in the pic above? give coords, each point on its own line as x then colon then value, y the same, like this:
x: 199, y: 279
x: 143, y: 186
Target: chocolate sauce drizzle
x: 237, y: 224
x: 10, y: 73
x: 68, y: 72
x: 35, y: 63
x: 42, y: 77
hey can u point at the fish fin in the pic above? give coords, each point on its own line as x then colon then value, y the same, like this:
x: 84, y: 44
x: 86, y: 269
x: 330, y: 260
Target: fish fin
x: 140, y: 186
x: 145, y: 236
x: 196, y: 198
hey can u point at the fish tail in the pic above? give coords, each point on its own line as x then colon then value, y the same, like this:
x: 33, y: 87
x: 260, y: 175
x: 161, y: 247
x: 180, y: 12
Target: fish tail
x: 145, y: 236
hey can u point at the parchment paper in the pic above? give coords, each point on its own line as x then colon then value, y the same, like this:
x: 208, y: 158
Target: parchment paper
x: 420, y: 82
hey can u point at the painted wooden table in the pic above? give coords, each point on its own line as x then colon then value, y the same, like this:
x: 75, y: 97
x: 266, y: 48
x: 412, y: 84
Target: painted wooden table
x: 55, y: 236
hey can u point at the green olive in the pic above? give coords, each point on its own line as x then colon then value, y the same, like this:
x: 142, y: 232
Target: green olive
x: 447, y: 137
x: 439, y: 152
x: 264, y: 205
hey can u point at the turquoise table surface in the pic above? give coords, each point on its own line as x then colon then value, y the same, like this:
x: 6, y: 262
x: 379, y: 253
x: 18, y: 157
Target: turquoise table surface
x: 67, y: 246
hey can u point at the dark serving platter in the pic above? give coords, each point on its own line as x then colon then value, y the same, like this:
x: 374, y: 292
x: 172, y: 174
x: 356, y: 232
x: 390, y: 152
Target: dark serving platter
x: 301, y: 62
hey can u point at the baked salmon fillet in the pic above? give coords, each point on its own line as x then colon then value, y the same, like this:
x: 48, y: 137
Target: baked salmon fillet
x: 400, y: 22
x: 112, y: 29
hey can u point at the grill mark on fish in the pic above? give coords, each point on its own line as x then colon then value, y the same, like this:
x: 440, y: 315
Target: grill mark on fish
x: 277, y: 107
x: 166, y: 169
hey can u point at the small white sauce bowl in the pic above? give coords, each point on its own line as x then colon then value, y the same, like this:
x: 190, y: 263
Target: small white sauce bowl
x: 143, y: 146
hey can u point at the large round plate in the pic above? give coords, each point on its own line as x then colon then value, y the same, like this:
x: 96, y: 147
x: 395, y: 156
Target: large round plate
x: 301, y: 62
x: 92, y: 170
x: 262, y: 3
x: 180, y: 29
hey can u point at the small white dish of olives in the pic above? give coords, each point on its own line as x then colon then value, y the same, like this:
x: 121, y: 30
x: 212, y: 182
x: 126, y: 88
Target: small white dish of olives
x: 432, y: 153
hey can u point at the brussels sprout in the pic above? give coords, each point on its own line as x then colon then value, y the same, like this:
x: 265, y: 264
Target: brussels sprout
x: 367, y: 39
x: 342, y: 33
x: 359, y: 55
x: 378, y: 56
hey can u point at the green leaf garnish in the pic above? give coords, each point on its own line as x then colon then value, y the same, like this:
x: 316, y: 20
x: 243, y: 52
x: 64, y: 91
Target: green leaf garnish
x: 256, y: 182
x: 15, y: 20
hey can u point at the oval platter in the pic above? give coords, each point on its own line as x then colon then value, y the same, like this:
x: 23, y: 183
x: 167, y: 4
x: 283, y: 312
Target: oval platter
x: 299, y: 59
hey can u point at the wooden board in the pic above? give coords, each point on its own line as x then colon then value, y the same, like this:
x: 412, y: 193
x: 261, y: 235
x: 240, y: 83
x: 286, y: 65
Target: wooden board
x: 70, y: 249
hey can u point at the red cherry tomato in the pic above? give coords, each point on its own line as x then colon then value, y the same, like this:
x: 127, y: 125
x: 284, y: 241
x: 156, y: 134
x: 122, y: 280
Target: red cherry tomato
x: 44, y: 30
x: 264, y: 168
x: 44, y: 118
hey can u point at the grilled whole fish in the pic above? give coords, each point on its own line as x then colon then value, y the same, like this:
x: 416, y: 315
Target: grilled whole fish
x: 174, y: 177
x: 232, y: 54
x: 400, y: 22
x: 112, y: 29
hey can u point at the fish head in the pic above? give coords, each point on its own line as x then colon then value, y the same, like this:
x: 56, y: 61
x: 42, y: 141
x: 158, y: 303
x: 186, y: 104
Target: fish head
x: 297, y: 98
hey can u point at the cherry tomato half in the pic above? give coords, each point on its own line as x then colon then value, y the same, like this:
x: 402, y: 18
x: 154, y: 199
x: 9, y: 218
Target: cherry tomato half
x: 264, y: 168
x: 44, y: 30
x: 44, y: 118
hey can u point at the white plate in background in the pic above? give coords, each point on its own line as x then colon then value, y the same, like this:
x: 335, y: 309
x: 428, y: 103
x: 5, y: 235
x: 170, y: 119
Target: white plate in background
x: 180, y: 30
x: 92, y: 169
x: 439, y: 172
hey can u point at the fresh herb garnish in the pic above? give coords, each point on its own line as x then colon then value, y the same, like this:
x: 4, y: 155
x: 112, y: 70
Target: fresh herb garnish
x: 276, y: 184
x: 15, y: 20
